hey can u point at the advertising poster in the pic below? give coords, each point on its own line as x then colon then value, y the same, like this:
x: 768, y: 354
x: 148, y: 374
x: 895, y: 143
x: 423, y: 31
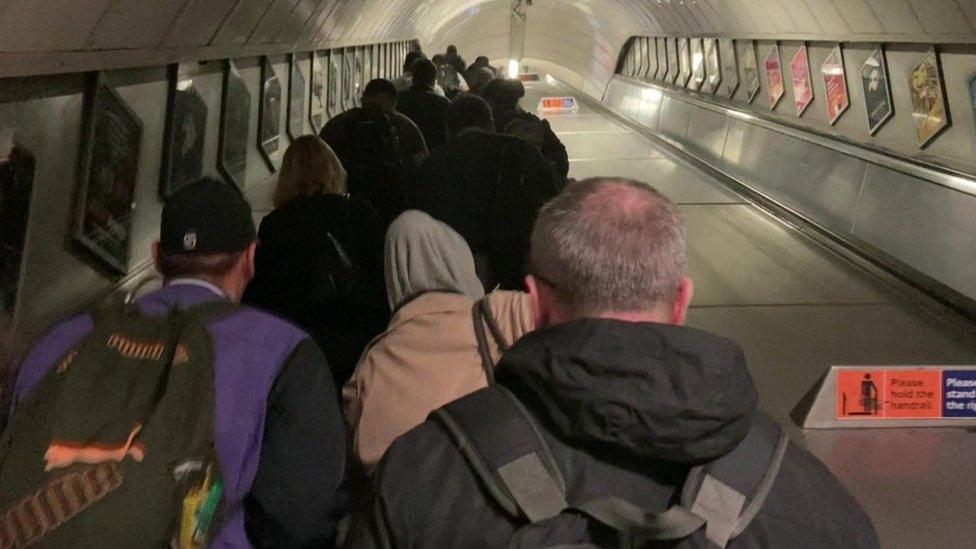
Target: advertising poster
x: 697, y: 65
x: 877, y: 91
x: 750, y: 69
x: 802, y: 83
x: 730, y: 67
x: 183, y: 137
x: 662, y: 59
x: 235, y: 122
x: 296, y: 100
x: 684, y: 62
x: 774, y: 77
x: 713, y: 66
x: 835, y: 82
x: 673, y: 69
x: 318, y: 98
x: 110, y: 158
x: 269, y: 119
x: 928, y: 99
x: 16, y: 182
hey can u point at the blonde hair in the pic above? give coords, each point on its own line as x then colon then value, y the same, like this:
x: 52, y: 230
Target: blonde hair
x: 309, y: 167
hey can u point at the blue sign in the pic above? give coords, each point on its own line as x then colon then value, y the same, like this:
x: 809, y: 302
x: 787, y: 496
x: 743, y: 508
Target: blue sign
x: 959, y: 393
x: 569, y: 102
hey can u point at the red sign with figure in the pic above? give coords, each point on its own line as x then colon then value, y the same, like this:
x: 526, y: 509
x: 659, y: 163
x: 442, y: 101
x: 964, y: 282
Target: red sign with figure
x: 889, y: 394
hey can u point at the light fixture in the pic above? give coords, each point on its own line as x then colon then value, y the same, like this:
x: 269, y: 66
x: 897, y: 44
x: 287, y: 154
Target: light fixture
x: 513, y: 68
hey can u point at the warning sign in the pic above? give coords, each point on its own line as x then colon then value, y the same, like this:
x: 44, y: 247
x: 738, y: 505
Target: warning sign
x: 959, y: 393
x: 558, y: 104
x: 890, y: 394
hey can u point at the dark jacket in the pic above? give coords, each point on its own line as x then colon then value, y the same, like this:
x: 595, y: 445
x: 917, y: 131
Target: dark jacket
x: 456, y: 61
x: 273, y: 388
x: 551, y: 147
x: 627, y: 409
x: 427, y: 109
x: 489, y: 188
x: 290, y: 238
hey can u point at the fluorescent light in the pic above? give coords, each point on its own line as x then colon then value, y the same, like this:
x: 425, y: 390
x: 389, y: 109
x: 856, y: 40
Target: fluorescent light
x: 513, y: 68
x: 550, y: 80
x: 652, y: 94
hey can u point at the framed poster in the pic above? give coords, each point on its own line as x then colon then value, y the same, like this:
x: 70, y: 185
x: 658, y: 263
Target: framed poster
x: 367, y: 65
x: 110, y: 141
x: 650, y: 58
x: 802, y: 82
x: 269, y: 117
x: 17, y: 166
x: 730, y: 67
x: 183, y: 134
x: 684, y: 62
x: 835, y: 83
x: 673, y: 70
x: 317, y: 97
x: 774, y: 77
x: 662, y: 59
x: 296, y: 99
x: 348, y: 78
x: 713, y: 65
x: 877, y: 91
x: 750, y: 69
x: 235, y: 122
x: 628, y: 67
x: 358, y: 85
x: 697, y: 64
x: 334, y: 91
x: 928, y: 99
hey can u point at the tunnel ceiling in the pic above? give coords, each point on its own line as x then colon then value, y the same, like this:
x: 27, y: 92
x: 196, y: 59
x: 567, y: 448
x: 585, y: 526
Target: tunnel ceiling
x: 583, y: 36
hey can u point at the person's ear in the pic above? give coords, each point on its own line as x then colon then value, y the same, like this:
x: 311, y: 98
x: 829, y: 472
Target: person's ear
x: 249, y: 259
x: 532, y: 286
x: 679, y: 311
x: 157, y: 256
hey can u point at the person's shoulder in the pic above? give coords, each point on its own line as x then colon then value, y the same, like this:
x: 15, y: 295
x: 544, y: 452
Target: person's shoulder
x: 421, y: 448
x: 810, y: 501
x: 257, y: 327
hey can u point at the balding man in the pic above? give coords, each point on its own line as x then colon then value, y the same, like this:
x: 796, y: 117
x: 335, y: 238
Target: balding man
x: 611, y: 425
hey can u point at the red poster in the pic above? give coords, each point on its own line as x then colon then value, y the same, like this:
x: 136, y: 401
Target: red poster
x: 774, y: 77
x: 835, y: 82
x: 802, y: 86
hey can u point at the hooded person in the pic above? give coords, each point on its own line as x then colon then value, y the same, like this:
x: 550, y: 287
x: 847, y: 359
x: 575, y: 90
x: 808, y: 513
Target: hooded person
x: 431, y: 354
x: 612, y: 424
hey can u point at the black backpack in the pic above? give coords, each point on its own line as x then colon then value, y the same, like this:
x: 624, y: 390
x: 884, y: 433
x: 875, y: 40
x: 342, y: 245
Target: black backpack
x: 373, y: 157
x: 142, y: 389
x: 503, y: 445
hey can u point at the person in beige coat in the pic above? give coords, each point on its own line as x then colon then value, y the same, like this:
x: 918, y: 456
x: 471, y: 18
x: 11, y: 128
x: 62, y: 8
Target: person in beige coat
x: 430, y: 355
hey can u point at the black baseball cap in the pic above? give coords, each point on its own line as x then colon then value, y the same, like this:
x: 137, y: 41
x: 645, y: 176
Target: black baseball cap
x: 205, y: 217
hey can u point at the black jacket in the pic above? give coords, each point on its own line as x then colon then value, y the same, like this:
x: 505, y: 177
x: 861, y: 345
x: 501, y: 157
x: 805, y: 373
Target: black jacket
x: 627, y: 409
x: 551, y: 147
x: 488, y: 187
x: 298, y: 230
x: 427, y: 110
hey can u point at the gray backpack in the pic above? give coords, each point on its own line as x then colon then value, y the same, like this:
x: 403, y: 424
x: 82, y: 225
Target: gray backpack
x: 505, y: 448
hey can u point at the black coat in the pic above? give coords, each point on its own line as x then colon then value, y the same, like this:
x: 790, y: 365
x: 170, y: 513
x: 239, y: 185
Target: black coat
x: 488, y: 187
x: 626, y: 408
x: 297, y: 230
x: 427, y: 110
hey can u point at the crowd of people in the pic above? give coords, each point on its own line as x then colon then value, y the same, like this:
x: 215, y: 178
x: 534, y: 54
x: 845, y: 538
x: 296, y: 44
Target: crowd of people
x: 445, y: 343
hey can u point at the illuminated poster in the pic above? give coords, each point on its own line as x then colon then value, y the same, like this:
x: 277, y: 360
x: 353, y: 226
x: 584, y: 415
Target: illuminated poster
x: 296, y: 100
x: 928, y: 99
x: 673, y: 70
x: 877, y: 91
x: 713, y: 65
x: 802, y: 84
x: 235, y: 123
x: 730, y: 67
x: 750, y: 69
x: 184, y: 133
x: 110, y: 159
x: 318, y: 98
x: 16, y: 183
x: 774, y: 77
x: 269, y: 118
x: 684, y: 61
x: 835, y: 82
x: 697, y: 65
x: 662, y: 59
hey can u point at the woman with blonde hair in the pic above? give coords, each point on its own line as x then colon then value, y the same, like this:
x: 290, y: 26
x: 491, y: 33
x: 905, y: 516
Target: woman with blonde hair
x: 320, y: 257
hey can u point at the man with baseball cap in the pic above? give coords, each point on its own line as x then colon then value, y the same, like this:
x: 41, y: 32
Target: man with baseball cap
x: 278, y: 433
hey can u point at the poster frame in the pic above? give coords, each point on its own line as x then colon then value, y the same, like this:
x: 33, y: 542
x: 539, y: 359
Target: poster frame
x: 772, y: 66
x: 800, y: 76
x: 837, y: 52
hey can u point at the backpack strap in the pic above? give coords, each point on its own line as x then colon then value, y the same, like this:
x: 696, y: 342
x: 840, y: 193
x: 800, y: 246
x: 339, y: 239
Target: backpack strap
x: 504, y: 447
x: 729, y: 492
x: 484, y: 321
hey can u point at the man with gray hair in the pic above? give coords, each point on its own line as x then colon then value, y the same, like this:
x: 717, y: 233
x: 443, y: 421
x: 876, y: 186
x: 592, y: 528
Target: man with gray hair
x: 612, y: 425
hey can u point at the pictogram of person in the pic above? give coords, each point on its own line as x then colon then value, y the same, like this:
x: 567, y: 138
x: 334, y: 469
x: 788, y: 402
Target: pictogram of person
x: 869, y: 396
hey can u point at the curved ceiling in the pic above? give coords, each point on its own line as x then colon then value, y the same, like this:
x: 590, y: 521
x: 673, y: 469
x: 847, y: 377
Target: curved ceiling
x: 580, y: 36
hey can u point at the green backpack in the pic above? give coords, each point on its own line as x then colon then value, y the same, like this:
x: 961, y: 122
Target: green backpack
x: 114, y: 448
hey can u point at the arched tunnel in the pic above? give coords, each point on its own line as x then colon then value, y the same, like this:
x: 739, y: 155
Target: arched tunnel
x: 822, y: 154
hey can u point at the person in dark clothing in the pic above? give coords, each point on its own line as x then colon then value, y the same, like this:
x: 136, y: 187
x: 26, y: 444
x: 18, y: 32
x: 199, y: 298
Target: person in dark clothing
x: 504, y: 95
x: 625, y: 399
x: 455, y: 59
x: 380, y: 149
x: 479, y: 74
x: 272, y: 384
x: 423, y: 105
x: 487, y: 187
x: 320, y: 262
